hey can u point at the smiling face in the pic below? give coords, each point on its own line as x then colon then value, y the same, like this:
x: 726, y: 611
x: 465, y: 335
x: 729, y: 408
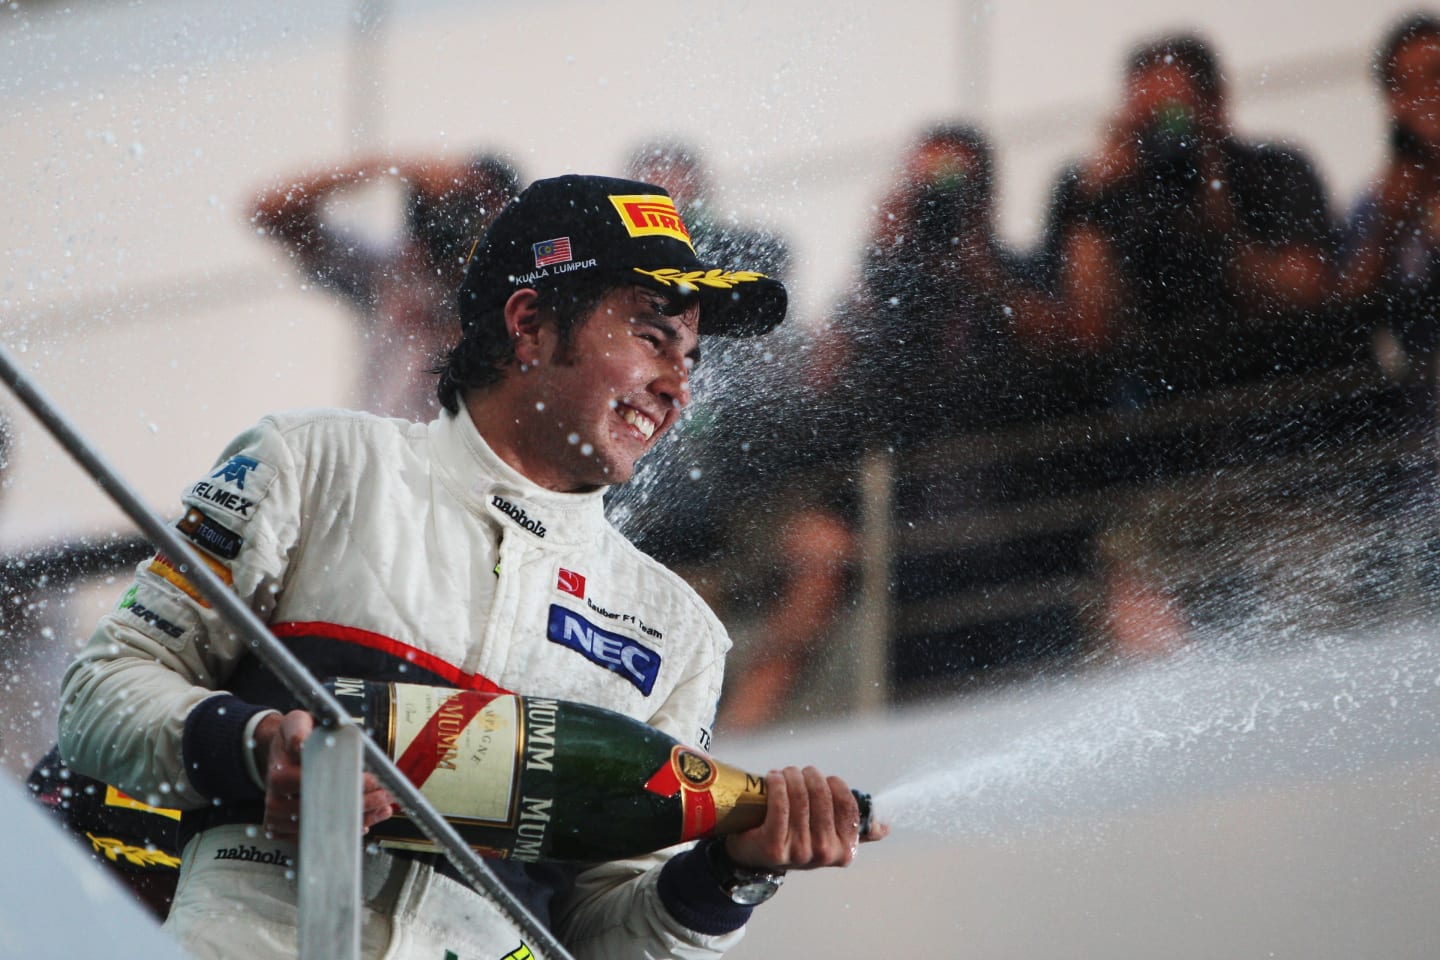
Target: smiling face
x: 583, y: 408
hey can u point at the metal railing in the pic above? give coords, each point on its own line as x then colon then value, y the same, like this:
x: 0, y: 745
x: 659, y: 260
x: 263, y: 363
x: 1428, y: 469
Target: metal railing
x: 988, y: 535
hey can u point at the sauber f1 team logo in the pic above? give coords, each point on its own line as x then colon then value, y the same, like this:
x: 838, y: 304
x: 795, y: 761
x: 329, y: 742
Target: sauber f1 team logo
x: 651, y: 214
x: 571, y: 582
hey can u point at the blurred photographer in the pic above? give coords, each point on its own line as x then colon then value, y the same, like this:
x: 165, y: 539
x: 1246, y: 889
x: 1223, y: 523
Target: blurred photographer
x: 402, y: 289
x: 1186, y: 255
x: 935, y: 338
x: 1390, y: 258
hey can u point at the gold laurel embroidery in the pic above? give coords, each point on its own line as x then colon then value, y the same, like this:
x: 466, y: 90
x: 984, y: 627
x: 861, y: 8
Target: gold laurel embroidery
x: 139, y: 856
x: 723, y: 279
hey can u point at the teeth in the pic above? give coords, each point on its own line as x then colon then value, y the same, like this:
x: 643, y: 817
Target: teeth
x: 640, y: 422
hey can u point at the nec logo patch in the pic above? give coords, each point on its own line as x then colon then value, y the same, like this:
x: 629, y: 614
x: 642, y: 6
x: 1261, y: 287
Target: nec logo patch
x: 631, y: 659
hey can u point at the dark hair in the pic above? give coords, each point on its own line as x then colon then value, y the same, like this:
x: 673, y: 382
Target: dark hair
x: 485, y: 349
x: 966, y: 137
x: 1191, y: 53
x: 1416, y: 26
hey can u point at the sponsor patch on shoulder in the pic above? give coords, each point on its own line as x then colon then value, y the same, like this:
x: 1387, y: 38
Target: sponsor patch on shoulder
x: 166, y: 569
x: 158, y: 616
x: 210, y: 535
x: 234, y: 487
x: 619, y: 654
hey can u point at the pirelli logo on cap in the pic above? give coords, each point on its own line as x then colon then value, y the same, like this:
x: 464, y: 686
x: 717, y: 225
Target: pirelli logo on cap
x: 651, y: 214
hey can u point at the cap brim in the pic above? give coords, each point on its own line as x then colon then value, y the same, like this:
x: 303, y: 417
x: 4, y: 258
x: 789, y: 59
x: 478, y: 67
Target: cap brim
x: 733, y: 303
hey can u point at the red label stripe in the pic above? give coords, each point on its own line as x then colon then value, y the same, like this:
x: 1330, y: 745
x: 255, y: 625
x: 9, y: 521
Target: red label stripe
x: 423, y: 755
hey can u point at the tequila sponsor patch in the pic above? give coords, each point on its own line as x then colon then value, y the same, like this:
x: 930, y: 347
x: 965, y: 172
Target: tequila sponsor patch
x: 210, y: 535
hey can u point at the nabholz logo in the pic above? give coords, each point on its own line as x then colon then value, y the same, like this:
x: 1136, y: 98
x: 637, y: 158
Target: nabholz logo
x: 519, y: 515
x: 253, y: 854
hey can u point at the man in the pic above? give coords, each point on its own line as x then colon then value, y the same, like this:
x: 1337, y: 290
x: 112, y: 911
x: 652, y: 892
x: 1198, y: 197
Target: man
x: 1390, y: 258
x: 1187, y: 256
x: 440, y: 553
x: 948, y: 331
x: 401, y: 291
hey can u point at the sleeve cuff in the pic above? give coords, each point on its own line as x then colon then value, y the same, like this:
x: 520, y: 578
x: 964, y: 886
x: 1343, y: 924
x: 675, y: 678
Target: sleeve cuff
x: 691, y: 895
x: 218, y: 758
x: 256, y: 776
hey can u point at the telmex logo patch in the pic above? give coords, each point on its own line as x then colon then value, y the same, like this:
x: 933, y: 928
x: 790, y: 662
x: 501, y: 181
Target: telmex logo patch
x: 631, y: 659
x: 235, y: 469
x: 646, y: 215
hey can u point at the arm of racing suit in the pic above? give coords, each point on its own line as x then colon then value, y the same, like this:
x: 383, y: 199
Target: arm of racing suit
x: 142, y: 706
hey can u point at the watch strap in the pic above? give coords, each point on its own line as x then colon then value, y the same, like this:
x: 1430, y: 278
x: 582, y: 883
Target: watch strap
x: 746, y: 885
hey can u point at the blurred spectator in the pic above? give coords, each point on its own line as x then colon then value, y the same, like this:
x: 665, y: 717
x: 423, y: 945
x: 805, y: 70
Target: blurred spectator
x: 792, y: 661
x: 721, y: 452
x: 1184, y: 254
x: 1390, y: 258
x: 946, y: 332
x: 717, y: 236
x: 943, y: 333
x: 402, y: 291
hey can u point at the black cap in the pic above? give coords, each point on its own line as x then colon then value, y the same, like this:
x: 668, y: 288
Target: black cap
x: 135, y: 837
x: 573, y: 228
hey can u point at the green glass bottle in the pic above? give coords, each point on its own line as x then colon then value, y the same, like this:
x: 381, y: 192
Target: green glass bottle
x: 532, y: 778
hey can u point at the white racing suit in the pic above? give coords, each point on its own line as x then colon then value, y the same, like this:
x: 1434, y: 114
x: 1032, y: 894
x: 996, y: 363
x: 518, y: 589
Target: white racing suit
x: 394, y: 551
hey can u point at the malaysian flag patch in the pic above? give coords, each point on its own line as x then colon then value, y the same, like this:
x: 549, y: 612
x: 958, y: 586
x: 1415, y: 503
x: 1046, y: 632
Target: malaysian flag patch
x: 552, y: 251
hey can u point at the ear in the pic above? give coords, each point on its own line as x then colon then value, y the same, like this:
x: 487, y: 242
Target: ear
x: 525, y: 327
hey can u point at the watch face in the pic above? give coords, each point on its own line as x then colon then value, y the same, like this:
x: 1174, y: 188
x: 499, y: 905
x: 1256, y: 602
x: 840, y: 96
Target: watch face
x: 742, y: 885
x: 752, y: 892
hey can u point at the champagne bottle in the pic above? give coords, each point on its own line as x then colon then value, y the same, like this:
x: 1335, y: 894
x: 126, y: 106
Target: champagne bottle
x: 533, y: 778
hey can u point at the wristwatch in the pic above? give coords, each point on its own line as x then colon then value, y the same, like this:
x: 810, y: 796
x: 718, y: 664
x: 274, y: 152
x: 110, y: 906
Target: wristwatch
x: 747, y: 886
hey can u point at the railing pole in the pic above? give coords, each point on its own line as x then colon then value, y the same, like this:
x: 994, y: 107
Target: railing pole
x: 330, y: 844
x: 876, y: 615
